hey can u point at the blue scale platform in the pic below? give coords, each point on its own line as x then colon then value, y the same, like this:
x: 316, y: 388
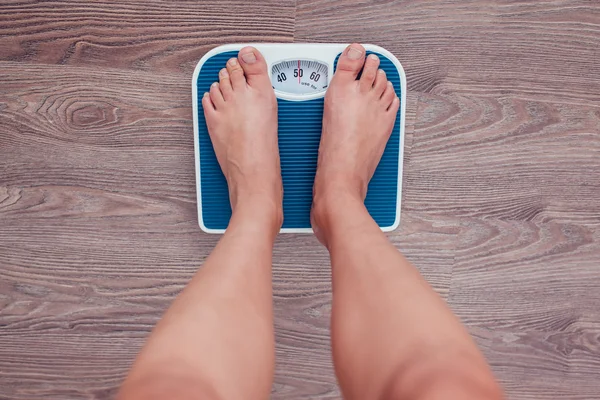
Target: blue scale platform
x: 299, y: 135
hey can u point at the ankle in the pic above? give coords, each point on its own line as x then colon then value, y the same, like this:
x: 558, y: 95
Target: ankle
x: 332, y: 208
x: 330, y: 187
x: 262, y: 210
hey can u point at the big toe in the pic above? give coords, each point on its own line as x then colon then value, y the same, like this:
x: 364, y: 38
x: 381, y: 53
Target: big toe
x: 254, y: 65
x: 350, y: 63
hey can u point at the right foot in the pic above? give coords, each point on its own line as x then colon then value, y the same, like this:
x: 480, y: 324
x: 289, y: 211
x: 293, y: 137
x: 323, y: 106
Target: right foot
x: 358, y: 119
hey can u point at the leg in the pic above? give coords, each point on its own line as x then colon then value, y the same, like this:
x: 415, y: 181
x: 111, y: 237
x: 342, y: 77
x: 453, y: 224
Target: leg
x: 216, y: 340
x: 392, y: 336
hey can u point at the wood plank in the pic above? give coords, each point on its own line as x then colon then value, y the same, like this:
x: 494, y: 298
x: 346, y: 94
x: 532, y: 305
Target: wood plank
x: 142, y: 35
x: 527, y: 276
x: 529, y: 48
x: 543, y: 365
x: 70, y: 366
x: 509, y: 158
x: 101, y: 128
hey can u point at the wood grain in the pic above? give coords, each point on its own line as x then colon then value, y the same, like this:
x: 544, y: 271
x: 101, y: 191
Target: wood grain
x: 508, y: 157
x: 98, y: 229
x: 546, y: 50
x: 165, y: 36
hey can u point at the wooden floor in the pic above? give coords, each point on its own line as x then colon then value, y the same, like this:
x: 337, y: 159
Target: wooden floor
x: 98, y: 228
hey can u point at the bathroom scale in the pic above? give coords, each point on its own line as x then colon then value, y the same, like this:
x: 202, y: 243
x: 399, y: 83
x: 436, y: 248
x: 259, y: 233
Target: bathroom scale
x: 300, y: 74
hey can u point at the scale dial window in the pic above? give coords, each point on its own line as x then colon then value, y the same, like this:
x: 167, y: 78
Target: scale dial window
x: 300, y: 76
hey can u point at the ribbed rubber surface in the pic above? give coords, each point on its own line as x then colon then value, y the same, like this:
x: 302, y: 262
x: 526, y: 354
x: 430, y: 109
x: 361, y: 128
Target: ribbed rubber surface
x: 299, y: 135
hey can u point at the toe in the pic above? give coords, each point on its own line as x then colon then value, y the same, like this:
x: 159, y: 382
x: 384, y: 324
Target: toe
x: 225, y: 84
x: 254, y: 65
x: 215, y: 95
x: 380, y: 83
x: 369, y: 73
x: 350, y: 63
x: 236, y: 74
x: 388, y: 95
x: 393, y: 108
x: 207, y: 104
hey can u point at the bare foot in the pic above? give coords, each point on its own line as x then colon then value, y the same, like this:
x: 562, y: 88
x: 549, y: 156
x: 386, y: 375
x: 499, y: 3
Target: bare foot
x: 357, y: 122
x: 241, y: 115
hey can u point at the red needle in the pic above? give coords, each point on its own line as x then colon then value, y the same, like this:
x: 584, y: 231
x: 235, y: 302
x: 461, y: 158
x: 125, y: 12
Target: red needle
x: 298, y: 71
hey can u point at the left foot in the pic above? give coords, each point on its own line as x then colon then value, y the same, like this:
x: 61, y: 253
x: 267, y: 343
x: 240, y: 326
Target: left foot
x: 241, y: 115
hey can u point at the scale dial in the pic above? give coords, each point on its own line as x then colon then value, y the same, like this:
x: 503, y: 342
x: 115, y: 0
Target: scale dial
x: 300, y: 76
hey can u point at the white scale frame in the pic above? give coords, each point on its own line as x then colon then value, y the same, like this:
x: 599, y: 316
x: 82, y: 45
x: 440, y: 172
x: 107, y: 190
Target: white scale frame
x: 275, y: 53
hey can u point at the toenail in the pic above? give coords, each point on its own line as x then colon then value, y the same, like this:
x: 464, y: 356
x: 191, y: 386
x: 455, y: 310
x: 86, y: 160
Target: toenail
x: 382, y: 72
x: 354, y: 54
x: 373, y: 57
x: 214, y: 84
x: 249, y: 58
x: 223, y: 72
x: 205, y: 94
x: 232, y: 61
